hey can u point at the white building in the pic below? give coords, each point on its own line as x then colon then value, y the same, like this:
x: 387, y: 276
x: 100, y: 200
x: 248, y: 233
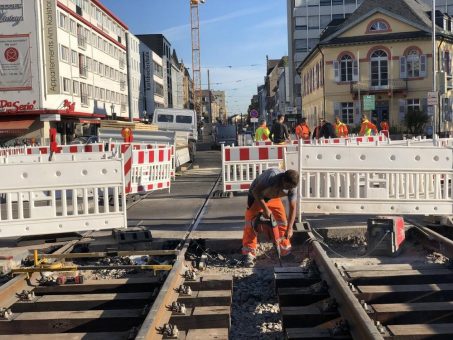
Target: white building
x: 134, y: 75
x: 152, y: 84
x: 62, y: 62
x: 282, y: 94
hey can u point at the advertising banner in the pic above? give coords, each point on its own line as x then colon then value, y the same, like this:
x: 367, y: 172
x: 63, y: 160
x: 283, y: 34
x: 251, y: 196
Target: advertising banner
x: 51, y: 47
x: 12, y: 12
x: 15, y: 63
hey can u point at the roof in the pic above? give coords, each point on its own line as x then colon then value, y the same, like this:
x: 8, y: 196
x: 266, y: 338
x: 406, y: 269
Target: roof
x: 271, y: 63
x: 378, y: 37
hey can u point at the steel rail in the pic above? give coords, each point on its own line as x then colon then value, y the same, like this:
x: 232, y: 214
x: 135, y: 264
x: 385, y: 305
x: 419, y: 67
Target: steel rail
x: 360, y: 324
x: 160, y: 313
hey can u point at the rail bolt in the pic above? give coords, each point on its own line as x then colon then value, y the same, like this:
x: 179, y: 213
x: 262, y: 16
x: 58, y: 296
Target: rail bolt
x: 184, y: 290
x: 5, y: 313
x: 170, y: 331
x: 178, y: 308
x: 380, y: 327
x: 341, y: 328
x: 26, y: 295
x: 190, y: 275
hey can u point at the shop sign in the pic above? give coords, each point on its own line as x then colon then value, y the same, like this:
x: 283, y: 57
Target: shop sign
x: 14, y: 106
x: 12, y: 12
x: 51, y: 47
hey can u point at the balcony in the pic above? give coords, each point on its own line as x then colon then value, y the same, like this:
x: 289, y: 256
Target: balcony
x: 122, y: 85
x: 372, y: 86
x: 83, y: 71
x: 122, y: 63
x: 84, y: 99
x: 82, y: 41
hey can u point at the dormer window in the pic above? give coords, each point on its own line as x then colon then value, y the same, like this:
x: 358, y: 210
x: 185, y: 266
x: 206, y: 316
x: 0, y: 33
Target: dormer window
x: 378, y: 26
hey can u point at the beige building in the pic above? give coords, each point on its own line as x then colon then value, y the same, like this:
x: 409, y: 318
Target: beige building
x: 383, y: 49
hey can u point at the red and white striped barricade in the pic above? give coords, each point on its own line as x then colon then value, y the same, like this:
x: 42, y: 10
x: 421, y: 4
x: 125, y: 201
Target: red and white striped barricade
x: 241, y: 165
x: 365, y: 179
x: 146, y: 170
x: 147, y: 146
x: 13, y: 150
x: 50, y: 197
x: 76, y: 148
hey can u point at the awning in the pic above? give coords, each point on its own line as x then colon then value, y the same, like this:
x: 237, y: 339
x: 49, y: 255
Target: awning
x: 90, y: 121
x: 14, y: 127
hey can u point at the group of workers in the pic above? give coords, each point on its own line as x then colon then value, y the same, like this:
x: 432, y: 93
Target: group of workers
x: 266, y: 191
x: 279, y: 134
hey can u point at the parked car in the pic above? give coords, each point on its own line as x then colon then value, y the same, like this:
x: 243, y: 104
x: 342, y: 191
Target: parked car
x: 85, y: 140
x: 224, y: 134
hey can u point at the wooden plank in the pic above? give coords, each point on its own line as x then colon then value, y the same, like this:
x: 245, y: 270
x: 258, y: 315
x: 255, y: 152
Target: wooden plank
x: 211, y: 282
x: 397, y: 266
x: 413, y: 307
x: 313, y: 333
x: 207, y: 298
x: 299, y: 296
x: 84, y: 302
x: 290, y: 270
x: 210, y: 333
x: 307, y: 316
x: 203, y: 318
x: 405, y: 288
x: 103, y: 286
x: 304, y: 310
x: 407, y: 272
x: 294, y: 280
x: 421, y: 329
x: 69, y: 336
x: 76, y: 321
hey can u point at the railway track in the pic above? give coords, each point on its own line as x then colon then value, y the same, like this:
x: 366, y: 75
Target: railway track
x: 147, y: 304
x: 393, y: 300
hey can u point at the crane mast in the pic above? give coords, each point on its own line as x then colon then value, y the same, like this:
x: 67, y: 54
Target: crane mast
x: 196, y: 64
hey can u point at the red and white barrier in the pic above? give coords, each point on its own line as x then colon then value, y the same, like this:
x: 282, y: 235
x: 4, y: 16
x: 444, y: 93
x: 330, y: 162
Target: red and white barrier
x: 241, y: 165
x: 76, y: 148
x: 11, y: 151
x: 148, y: 169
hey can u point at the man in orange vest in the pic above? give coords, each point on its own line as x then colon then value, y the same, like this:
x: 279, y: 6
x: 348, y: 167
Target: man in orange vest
x: 341, y: 129
x: 302, y: 130
x: 367, y: 128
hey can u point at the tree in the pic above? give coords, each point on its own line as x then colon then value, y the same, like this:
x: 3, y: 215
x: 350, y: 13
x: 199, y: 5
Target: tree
x: 415, y: 120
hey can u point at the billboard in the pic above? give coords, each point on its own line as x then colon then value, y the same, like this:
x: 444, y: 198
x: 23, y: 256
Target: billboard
x: 15, y: 62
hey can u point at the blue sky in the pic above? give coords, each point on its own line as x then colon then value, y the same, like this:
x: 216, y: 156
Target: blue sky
x: 236, y: 33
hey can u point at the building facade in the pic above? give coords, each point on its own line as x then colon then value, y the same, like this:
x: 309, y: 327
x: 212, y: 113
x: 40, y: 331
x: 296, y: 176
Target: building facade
x: 384, y: 49
x: 73, y: 74
x: 134, y: 71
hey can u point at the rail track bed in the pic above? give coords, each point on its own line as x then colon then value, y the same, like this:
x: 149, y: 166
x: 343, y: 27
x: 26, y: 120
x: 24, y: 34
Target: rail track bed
x: 402, y: 299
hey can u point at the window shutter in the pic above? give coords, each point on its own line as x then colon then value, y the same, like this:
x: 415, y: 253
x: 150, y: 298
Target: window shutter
x: 336, y: 70
x: 337, y: 109
x: 403, y: 68
x: 402, y: 109
x: 356, y: 112
x: 423, y: 65
x: 355, y: 70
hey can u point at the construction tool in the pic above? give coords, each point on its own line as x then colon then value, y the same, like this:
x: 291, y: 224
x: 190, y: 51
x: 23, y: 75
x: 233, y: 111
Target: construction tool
x: 268, y: 227
x: 66, y: 279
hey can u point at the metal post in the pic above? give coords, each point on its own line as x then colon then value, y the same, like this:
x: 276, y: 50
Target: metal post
x: 433, y: 19
x: 210, y: 99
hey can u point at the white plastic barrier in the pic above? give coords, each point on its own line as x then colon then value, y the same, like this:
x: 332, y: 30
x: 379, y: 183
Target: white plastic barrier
x: 374, y: 180
x: 76, y: 148
x: 61, y: 196
x: 13, y: 150
x: 241, y: 165
x: 147, y: 170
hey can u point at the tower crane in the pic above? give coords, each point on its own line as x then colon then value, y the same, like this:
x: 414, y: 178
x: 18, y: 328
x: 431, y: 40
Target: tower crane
x: 196, y: 63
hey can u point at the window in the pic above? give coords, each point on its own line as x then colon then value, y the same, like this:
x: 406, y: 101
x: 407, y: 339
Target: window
x: 161, y: 118
x: 301, y: 45
x: 184, y: 119
x: 64, y: 53
x: 90, y: 91
x: 63, y: 21
x: 347, y: 113
x: 379, y: 68
x: 346, y: 68
x: 74, y: 58
x: 73, y: 27
x: 413, y: 64
x: 75, y: 88
x: 102, y: 94
x: 378, y: 26
x: 413, y: 105
x: 66, y: 85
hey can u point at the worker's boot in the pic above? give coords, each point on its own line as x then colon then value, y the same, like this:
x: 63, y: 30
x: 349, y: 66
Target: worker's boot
x: 248, y: 260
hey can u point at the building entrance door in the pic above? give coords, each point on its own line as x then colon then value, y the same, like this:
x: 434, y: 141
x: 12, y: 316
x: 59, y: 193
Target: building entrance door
x: 380, y: 113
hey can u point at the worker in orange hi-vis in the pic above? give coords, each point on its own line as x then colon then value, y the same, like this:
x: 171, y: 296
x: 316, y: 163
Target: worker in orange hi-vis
x: 262, y: 132
x: 264, y: 197
x: 341, y: 129
x: 302, y: 130
x: 367, y: 128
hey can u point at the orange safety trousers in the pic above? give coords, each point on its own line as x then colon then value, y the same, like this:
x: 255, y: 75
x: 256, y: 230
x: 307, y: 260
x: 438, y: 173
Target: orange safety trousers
x: 250, y: 238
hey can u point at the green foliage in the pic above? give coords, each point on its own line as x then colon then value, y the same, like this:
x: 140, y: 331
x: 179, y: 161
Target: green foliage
x: 415, y: 120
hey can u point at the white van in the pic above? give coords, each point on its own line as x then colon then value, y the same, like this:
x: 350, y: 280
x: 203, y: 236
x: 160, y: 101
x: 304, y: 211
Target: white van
x: 177, y: 120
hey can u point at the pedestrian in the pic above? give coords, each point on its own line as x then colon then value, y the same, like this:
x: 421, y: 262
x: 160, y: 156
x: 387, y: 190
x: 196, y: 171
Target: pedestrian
x: 262, y: 132
x: 385, y: 125
x: 264, y: 196
x: 367, y: 128
x: 317, y: 130
x: 327, y: 130
x: 279, y: 132
x: 341, y: 129
x: 302, y: 130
